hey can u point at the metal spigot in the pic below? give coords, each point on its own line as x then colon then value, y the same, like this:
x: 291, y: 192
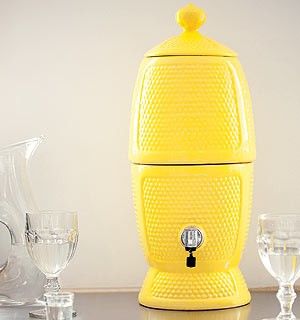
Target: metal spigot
x: 191, y: 238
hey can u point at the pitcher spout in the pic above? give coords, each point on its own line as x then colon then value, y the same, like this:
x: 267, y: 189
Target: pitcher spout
x: 26, y: 147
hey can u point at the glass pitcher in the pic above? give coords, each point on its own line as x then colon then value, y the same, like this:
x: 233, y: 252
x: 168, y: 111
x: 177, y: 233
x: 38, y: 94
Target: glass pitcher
x: 20, y: 281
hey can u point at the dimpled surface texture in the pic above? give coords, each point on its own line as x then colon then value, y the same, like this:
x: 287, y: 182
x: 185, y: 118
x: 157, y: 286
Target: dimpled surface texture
x: 191, y: 110
x: 215, y: 198
x: 194, y: 291
x: 210, y: 202
x: 182, y: 286
x: 157, y: 110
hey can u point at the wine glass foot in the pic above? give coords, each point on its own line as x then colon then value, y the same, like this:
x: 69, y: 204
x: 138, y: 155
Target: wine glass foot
x: 41, y: 314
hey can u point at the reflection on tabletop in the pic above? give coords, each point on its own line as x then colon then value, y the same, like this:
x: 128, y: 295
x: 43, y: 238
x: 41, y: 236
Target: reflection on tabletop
x: 241, y: 313
x: 21, y: 313
x: 9, y: 314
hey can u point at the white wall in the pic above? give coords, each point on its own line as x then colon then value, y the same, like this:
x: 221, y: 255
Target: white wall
x: 67, y: 69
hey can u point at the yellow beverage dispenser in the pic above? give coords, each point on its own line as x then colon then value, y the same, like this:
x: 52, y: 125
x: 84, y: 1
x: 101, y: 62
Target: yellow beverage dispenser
x: 192, y: 146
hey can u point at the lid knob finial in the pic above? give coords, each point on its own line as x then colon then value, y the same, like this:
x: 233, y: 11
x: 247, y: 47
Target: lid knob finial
x: 190, y: 17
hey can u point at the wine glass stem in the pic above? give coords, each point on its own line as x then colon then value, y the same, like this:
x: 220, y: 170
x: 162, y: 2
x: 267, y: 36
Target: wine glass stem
x: 286, y: 296
x: 52, y: 284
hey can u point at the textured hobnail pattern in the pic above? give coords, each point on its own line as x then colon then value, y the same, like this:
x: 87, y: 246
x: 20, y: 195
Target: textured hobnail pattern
x: 213, y: 203
x: 165, y: 114
x: 192, y: 286
x: 214, y: 198
x: 192, y: 110
x: 194, y: 291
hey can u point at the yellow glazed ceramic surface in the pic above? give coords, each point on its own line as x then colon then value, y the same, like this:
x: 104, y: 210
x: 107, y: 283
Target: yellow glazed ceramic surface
x: 217, y: 199
x: 190, y: 41
x: 191, y: 110
x: 191, y: 146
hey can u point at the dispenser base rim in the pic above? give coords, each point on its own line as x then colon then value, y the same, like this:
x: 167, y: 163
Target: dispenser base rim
x: 163, y: 290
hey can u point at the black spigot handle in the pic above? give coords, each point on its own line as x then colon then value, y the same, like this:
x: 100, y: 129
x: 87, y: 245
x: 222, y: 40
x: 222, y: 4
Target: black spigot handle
x: 191, y: 260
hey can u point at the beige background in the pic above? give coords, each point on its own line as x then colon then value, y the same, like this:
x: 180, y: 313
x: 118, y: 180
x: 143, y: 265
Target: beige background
x: 67, y: 70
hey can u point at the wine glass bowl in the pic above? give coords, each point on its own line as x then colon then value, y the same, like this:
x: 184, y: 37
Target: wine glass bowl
x: 278, y: 242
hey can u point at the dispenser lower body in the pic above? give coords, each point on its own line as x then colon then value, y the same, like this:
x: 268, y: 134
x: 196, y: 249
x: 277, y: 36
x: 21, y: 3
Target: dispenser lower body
x: 215, y: 199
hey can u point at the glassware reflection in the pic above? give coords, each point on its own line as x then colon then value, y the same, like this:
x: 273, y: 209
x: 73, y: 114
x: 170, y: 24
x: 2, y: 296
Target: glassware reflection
x: 59, y: 305
x: 241, y: 313
x: 13, y: 313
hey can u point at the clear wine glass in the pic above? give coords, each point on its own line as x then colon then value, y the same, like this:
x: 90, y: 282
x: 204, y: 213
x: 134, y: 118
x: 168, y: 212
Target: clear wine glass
x: 51, y: 240
x: 278, y: 242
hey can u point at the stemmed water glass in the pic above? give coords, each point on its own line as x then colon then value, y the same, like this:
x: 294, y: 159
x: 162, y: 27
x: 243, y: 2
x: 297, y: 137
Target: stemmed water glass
x: 278, y: 242
x: 51, y: 240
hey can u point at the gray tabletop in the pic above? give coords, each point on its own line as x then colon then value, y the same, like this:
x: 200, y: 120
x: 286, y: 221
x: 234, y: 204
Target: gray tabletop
x: 124, y: 306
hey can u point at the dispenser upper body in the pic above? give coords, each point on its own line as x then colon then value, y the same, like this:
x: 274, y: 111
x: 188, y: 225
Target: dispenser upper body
x: 191, y: 102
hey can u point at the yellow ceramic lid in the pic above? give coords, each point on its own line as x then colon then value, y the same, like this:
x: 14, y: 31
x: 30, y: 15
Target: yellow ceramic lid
x: 190, y: 42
